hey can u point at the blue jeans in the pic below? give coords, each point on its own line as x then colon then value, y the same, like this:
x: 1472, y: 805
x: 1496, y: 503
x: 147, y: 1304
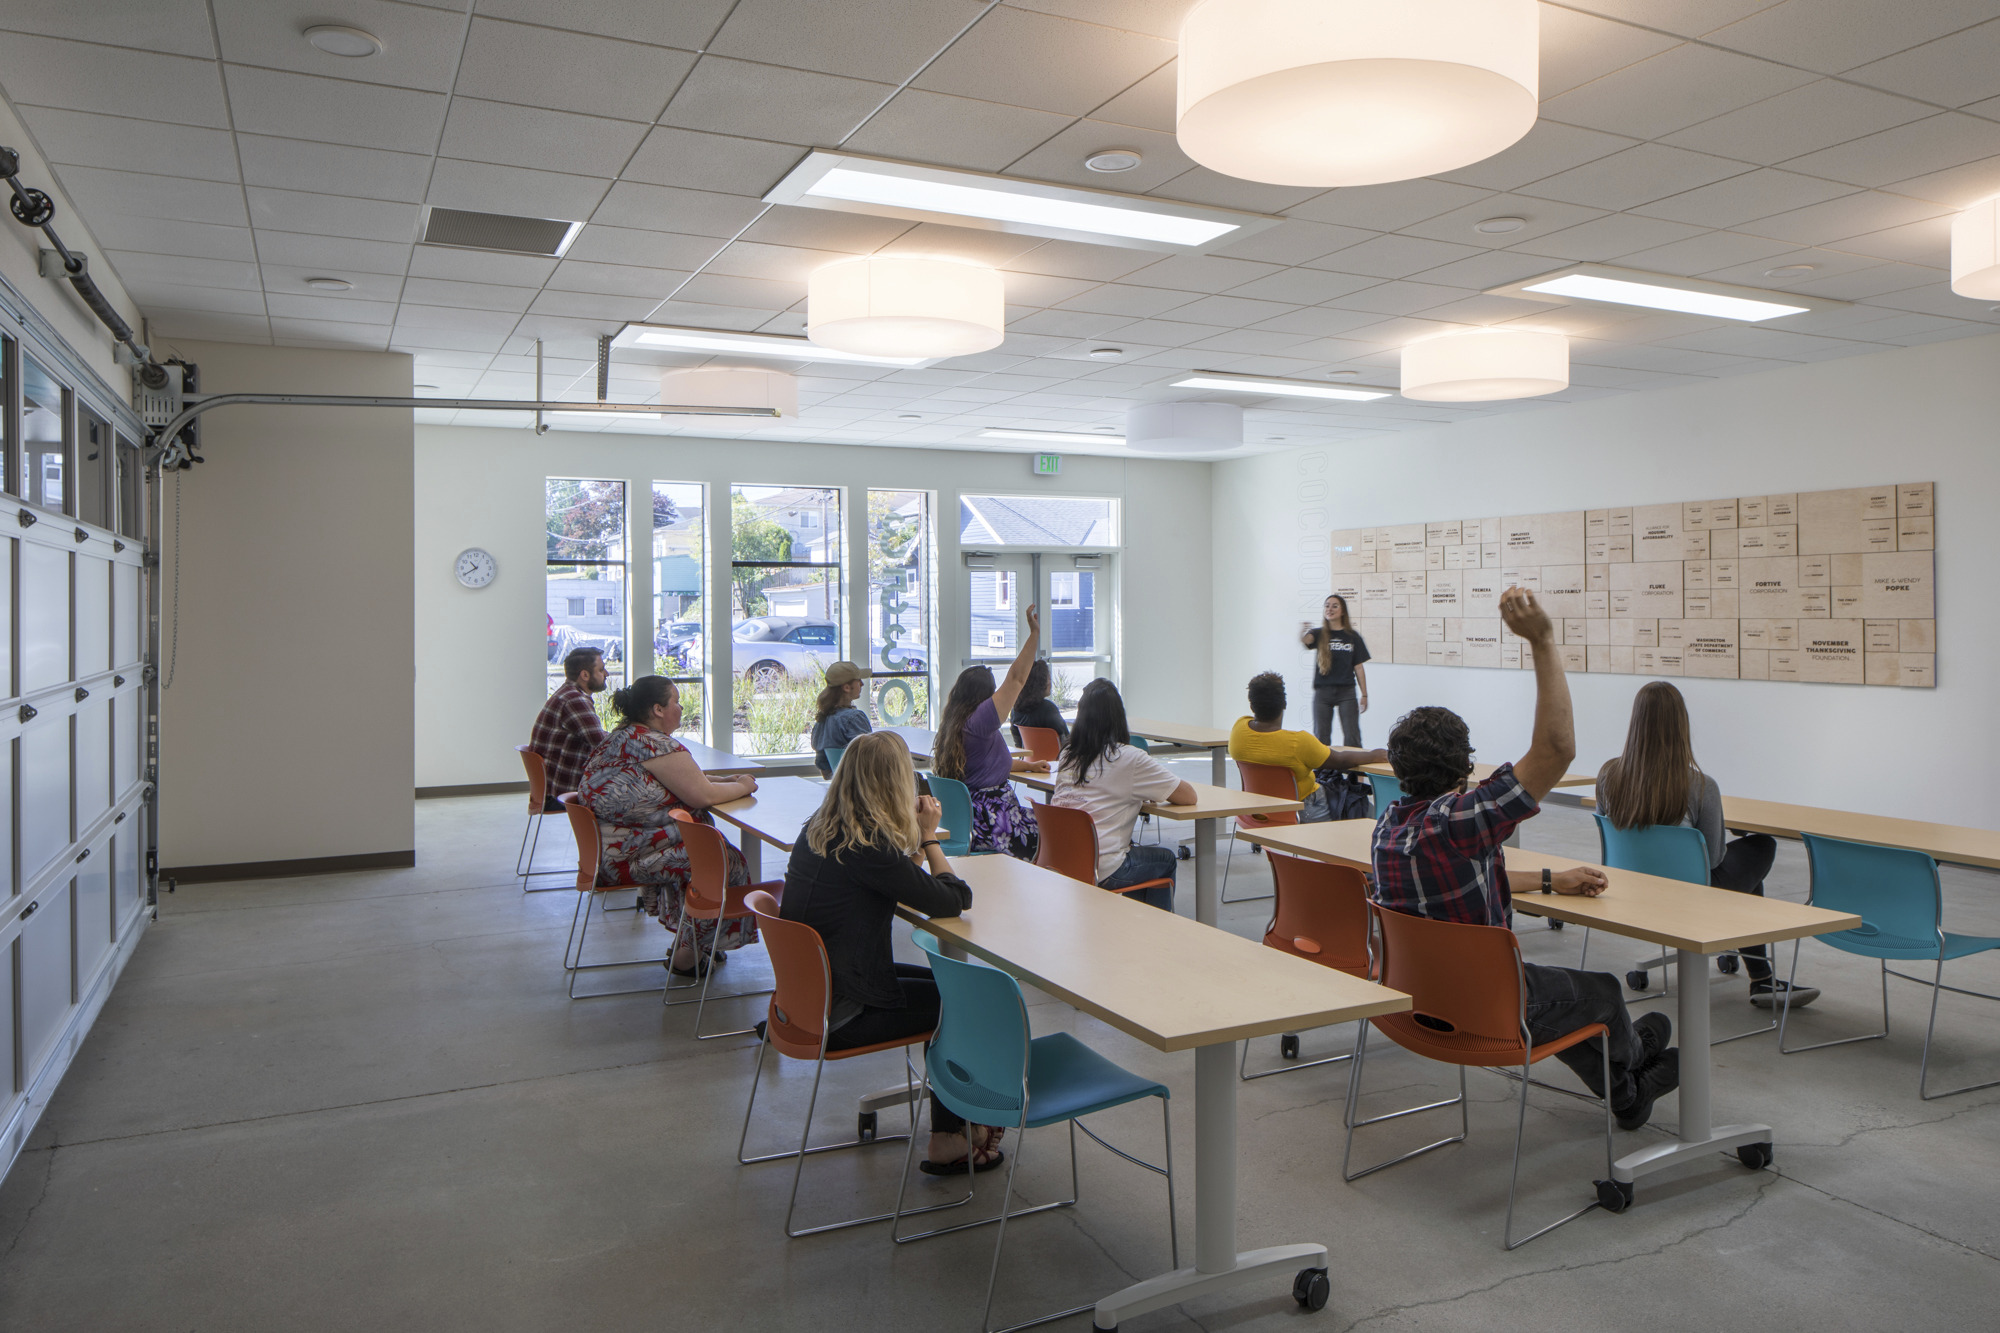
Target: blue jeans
x: 1141, y: 864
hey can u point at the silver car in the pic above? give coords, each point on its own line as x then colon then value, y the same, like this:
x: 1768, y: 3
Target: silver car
x: 772, y: 649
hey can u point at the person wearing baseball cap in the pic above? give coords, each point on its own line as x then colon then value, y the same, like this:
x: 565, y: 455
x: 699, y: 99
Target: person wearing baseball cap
x: 839, y: 719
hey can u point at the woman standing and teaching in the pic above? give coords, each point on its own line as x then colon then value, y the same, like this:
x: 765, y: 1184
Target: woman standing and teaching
x: 1338, y: 680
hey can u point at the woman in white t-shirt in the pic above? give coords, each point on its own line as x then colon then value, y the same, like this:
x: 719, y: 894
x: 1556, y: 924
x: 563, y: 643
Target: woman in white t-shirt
x: 1105, y: 775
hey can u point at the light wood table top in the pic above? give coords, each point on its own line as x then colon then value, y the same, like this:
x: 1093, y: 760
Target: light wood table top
x: 719, y: 763
x: 1481, y: 772
x: 1172, y: 983
x: 1176, y: 733
x: 776, y: 811
x: 1210, y: 802
x: 1945, y: 842
x: 1641, y: 907
x: 923, y: 743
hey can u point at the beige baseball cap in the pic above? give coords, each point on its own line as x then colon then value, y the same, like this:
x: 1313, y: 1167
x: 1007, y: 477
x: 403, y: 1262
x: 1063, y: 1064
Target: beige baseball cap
x: 840, y: 673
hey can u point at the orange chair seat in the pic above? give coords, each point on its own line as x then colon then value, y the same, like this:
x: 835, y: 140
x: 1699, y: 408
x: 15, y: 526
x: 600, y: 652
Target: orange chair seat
x: 1458, y: 1048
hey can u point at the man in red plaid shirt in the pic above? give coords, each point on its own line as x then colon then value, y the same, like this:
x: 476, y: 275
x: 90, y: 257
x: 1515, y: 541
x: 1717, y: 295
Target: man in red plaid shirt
x: 567, y: 728
x: 1437, y: 854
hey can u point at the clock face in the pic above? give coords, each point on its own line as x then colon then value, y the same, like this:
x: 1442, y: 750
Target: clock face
x: 475, y: 568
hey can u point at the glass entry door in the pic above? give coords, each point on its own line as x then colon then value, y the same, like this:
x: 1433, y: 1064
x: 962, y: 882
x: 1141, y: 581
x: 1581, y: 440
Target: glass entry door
x: 1078, y: 599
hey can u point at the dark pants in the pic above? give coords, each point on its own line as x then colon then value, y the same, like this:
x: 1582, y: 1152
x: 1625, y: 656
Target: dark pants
x: 1745, y: 863
x: 1140, y: 865
x: 1561, y: 1000
x: 916, y: 1015
x: 1326, y: 698
x: 552, y: 805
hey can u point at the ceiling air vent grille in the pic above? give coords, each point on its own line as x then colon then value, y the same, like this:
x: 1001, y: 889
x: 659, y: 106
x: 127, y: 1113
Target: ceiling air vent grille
x: 497, y: 231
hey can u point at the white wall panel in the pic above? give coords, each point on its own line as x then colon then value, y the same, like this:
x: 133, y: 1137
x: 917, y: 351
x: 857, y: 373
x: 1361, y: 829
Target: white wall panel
x: 93, y: 762
x: 45, y: 831
x: 7, y: 617
x: 93, y: 615
x: 7, y: 858
x: 128, y: 616
x: 9, y: 1083
x: 128, y: 889
x: 44, y: 617
x: 93, y: 913
x: 46, y: 977
x: 128, y: 759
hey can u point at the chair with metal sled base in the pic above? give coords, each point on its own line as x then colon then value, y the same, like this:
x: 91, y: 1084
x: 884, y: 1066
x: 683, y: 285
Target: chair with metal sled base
x: 583, y: 823
x: 1068, y: 846
x: 1901, y: 905
x: 985, y: 1065
x: 1468, y: 980
x: 531, y: 832
x: 710, y: 897
x: 1260, y: 780
x: 1321, y: 914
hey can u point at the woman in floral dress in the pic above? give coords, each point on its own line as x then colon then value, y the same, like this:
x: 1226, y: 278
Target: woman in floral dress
x: 970, y: 749
x: 633, y: 782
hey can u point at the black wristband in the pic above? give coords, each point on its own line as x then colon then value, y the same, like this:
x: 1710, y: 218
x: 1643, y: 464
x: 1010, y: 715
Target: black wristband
x: 1548, y: 881
x: 933, y: 842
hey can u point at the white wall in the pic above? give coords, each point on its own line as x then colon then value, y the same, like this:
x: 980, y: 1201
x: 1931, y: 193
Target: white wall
x: 1918, y: 414
x: 286, y: 733
x: 479, y: 652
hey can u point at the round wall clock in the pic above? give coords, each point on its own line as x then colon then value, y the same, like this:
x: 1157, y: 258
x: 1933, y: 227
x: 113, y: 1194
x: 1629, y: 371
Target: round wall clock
x: 474, y: 567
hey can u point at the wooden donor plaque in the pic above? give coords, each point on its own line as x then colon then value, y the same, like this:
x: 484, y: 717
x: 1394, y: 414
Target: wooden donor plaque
x: 1829, y: 587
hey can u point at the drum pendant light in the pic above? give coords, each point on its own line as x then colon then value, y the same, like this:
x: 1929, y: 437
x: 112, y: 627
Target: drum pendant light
x: 1975, y: 251
x: 1354, y: 92
x: 1485, y: 365
x: 901, y: 305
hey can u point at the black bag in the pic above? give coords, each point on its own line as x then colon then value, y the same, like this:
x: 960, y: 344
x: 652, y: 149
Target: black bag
x: 1347, y: 797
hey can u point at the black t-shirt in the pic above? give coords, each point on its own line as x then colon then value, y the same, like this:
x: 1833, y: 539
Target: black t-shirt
x: 1348, y: 649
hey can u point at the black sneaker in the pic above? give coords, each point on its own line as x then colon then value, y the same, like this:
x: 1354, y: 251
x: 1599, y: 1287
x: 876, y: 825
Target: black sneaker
x: 1655, y: 1031
x: 1770, y: 994
x: 1658, y: 1076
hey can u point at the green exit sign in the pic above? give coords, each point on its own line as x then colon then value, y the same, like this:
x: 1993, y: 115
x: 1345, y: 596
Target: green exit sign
x: 1048, y: 465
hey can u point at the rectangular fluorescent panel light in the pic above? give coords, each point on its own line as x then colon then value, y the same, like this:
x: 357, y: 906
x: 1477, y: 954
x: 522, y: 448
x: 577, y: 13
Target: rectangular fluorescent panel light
x: 1601, y: 285
x: 1352, y: 393
x: 850, y: 184
x: 1050, y: 436
x: 610, y: 416
x: 660, y: 337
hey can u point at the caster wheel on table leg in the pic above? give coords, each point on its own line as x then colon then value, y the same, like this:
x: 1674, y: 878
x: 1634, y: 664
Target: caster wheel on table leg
x: 1726, y: 964
x: 1288, y: 1046
x: 1614, y: 1196
x: 1636, y: 980
x: 1756, y: 1156
x: 1555, y: 924
x: 1311, y: 1288
x: 864, y: 1127
x: 1184, y: 853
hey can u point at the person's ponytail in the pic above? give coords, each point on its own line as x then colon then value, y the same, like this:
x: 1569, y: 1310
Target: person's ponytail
x: 636, y: 702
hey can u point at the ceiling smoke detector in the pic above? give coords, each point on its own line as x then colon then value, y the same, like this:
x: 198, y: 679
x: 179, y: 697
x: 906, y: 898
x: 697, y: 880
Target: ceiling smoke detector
x: 1499, y: 226
x: 336, y: 40
x: 1106, y: 353
x: 330, y: 284
x: 1113, y: 160
x: 1790, y: 270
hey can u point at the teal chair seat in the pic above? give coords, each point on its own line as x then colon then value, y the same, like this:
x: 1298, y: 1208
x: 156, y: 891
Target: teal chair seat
x: 1067, y: 1079
x: 1872, y: 943
x: 1388, y: 791
x: 955, y: 813
x: 833, y: 753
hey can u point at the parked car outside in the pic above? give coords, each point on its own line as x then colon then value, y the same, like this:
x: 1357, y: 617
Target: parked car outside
x: 773, y: 649
x: 565, y: 639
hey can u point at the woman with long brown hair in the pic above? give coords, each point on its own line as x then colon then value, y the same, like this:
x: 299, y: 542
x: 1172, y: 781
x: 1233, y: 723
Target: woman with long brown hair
x: 1338, y: 679
x: 1657, y: 781
x: 970, y: 750
x: 837, y: 715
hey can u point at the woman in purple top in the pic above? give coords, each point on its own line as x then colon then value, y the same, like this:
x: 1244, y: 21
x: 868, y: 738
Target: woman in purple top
x: 970, y: 749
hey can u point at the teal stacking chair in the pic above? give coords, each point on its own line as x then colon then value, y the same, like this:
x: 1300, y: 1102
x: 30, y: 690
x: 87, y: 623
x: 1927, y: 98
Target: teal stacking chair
x: 1388, y: 791
x: 955, y: 807
x: 1896, y: 894
x: 985, y: 1065
x: 833, y: 753
x: 1670, y: 851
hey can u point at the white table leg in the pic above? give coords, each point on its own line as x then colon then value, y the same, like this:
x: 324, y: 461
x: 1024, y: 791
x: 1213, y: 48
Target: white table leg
x: 1217, y: 1265
x: 1206, y: 896
x: 1218, y: 767
x: 753, y: 854
x: 1698, y: 1137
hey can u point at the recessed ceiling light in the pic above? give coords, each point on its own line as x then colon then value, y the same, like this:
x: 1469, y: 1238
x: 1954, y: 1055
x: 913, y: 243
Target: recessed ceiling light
x: 329, y: 284
x: 1114, y: 159
x: 336, y: 40
x: 1105, y: 430
x: 1210, y: 379
x: 908, y: 416
x: 1048, y: 436
x: 664, y: 338
x: 1499, y: 226
x: 1342, y: 374
x: 1106, y: 353
x: 1274, y: 439
x: 1789, y: 270
x: 431, y: 387
x: 1601, y: 284
x: 850, y: 184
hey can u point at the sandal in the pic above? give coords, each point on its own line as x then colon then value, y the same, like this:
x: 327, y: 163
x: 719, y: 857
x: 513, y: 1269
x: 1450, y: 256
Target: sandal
x: 957, y: 1168
x: 699, y: 970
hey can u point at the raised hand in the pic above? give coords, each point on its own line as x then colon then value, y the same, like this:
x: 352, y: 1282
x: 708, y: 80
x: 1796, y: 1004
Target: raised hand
x: 1525, y: 617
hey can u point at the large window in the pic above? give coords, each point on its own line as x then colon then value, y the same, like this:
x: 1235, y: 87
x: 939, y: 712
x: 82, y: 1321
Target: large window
x: 44, y: 436
x: 586, y: 577
x: 785, y: 611
x: 1037, y: 520
x: 1046, y: 550
x: 679, y: 593
x: 93, y: 468
x: 901, y: 593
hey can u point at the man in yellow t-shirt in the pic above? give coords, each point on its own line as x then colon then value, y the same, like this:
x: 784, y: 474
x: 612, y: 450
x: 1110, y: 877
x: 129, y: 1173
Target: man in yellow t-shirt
x: 1261, y: 738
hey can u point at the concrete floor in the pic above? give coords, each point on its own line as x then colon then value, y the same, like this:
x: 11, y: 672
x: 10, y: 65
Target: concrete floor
x: 363, y: 1101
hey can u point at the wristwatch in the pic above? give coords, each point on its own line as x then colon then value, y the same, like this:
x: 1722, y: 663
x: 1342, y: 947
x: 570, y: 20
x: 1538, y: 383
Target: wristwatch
x: 1548, y: 881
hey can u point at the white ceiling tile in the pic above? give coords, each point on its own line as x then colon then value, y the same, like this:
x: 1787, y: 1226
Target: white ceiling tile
x: 1937, y: 298
x: 1803, y: 120
x: 1825, y: 264
x: 1387, y: 207
x: 825, y: 229
x: 1754, y: 194
x: 567, y: 71
x: 1393, y: 256
x: 1955, y: 70
x: 1954, y: 187
x: 645, y: 249
x: 980, y: 247
x: 180, y: 270
x: 1877, y: 280
x: 1636, y: 176
x: 1540, y: 217
x: 1041, y: 61
x: 1481, y: 271
x: 1549, y: 147
x: 1160, y: 18
x: 1075, y: 259
x: 1709, y: 253
x: 329, y: 334
x: 1200, y: 273
x: 883, y: 40
x: 467, y: 295
x: 662, y: 208
x: 332, y: 255
x: 1403, y: 298
x: 1231, y: 311
x: 1199, y: 185
x: 483, y: 187
x: 1851, y: 215
x: 282, y: 279
x: 120, y: 143
x: 1293, y: 241
x: 1037, y: 290
x: 1486, y: 310
x: 694, y: 314
x: 688, y: 24
x: 419, y: 45
x: 208, y: 327
x: 1147, y: 104
x: 1608, y: 238
x: 325, y: 168
x: 1927, y: 241
x: 1303, y: 286
x: 178, y: 27
x: 1118, y: 299
x: 412, y: 337
x: 1578, y: 47
x: 1835, y: 35
x: 153, y: 296
x: 1061, y: 158
x: 41, y: 71
x: 319, y: 307
x: 135, y: 194
x: 1067, y: 323
x: 1671, y: 91
x: 300, y: 106
x: 455, y: 318
x: 750, y: 293
x: 1915, y: 149
x: 772, y: 102
x: 671, y: 156
x: 536, y: 137
x: 200, y: 240
x: 332, y: 215
x: 919, y: 126
x: 616, y: 279
x: 786, y: 263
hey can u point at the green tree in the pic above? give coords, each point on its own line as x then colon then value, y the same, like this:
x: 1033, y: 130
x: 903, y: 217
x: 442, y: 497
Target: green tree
x: 585, y: 521
x: 754, y: 537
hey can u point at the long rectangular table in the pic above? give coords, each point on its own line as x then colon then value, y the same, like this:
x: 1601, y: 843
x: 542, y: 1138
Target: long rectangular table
x: 718, y: 763
x: 774, y: 813
x: 1692, y: 919
x: 1950, y: 843
x: 1176, y: 986
x: 923, y: 743
x: 1215, y: 741
x: 1481, y: 772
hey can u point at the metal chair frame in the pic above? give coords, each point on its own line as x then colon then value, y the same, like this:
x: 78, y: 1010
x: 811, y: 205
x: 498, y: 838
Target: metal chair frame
x: 700, y: 1002
x: 1243, y: 1060
x: 524, y: 859
x: 587, y: 854
x: 1229, y: 855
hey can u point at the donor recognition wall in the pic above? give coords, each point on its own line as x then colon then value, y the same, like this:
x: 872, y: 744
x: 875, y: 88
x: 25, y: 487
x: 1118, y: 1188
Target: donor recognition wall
x: 1826, y: 586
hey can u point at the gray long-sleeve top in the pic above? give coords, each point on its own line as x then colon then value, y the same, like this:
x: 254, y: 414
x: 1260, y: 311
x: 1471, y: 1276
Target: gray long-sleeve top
x: 1704, y: 810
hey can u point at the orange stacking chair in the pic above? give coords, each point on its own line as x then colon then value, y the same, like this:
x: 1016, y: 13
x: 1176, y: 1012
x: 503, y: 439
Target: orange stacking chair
x: 583, y: 823
x: 1321, y: 914
x: 1043, y: 744
x: 1260, y: 780
x: 1068, y: 846
x: 538, y: 795
x: 710, y: 897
